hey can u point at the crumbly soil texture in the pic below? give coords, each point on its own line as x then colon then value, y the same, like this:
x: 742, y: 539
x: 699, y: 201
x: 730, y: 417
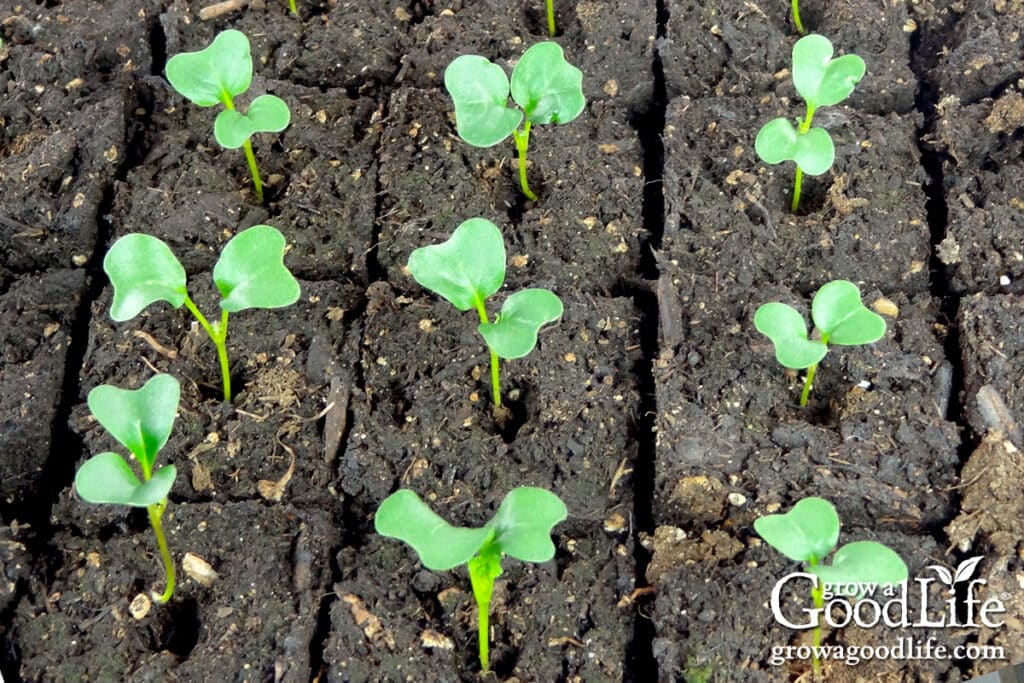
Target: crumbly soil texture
x: 652, y: 408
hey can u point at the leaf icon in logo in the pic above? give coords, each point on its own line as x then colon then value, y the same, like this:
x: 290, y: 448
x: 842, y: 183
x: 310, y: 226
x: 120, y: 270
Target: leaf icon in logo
x: 966, y: 569
x: 944, y: 574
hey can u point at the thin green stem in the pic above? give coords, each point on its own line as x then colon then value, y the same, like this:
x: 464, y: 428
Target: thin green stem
x: 250, y: 158
x: 810, y: 379
x: 798, y: 179
x: 218, y: 335
x: 807, y: 385
x: 551, y: 17
x: 495, y: 361
x: 483, y: 634
x: 796, y: 17
x: 522, y: 143
x: 156, y: 512
x: 295, y: 10
x: 818, y: 595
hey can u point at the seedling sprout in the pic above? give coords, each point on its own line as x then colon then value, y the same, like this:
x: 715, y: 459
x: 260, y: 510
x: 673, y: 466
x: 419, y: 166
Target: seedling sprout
x: 521, y: 528
x: 821, y: 81
x: 249, y: 274
x: 546, y: 87
x: 216, y: 75
x: 141, y: 421
x: 469, y: 268
x: 839, y: 317
x: 551, y: 17
x: 808, y: 533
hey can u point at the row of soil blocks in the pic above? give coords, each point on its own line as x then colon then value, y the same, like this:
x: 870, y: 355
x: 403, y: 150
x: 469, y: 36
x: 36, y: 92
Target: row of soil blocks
x: 877, y: 438
x: 368, y: 383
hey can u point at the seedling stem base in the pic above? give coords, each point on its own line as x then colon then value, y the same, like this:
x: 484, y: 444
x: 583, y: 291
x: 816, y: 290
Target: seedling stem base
x: 229, y: 103
x: 796, y: 17
x: 295, y: 10
x: 522, y: 143
x: 798, y: 179
x: 218, y: 335
x: 495, y: 361
x: 156, y: 513
x: 551, y: 17
x: 809, y: 381
x: 818, y: 595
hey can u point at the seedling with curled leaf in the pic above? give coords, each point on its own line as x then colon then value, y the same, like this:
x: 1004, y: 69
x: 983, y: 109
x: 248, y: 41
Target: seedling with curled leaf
x: 546, y: 87
x: 470, y: 267
x: 216, y: 75
x: 809, y: 532
x: 141, y: 421
x: 521, y: 528
x: 839, y: 317
x: 821, y: 81
x: 250, y: 273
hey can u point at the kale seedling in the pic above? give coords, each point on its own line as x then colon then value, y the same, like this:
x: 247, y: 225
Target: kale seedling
x: 215, y: 75
x: 821, y: 81
x: 141, y: 421
x: 470, y: 267
x: 809, y: 532
x: 544, y: 85
x: 521, y: 528
x: 250, y: 273
x: 840, y: 318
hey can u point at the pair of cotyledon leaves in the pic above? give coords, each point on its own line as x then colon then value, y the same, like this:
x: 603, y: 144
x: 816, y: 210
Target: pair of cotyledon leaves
x: 469, y: 268
x: 810, y: 531
x: 250, y: 273
x: 548, y: 88
x: 217, y: 74
x: 141, y: 421
x: 837, y: 312
x: 821, y: 81
x: 521, y: 528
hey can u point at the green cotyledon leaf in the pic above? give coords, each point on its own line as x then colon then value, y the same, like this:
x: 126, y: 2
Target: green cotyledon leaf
x: 251, y: 272
x: 514, y: 333
x: 807, y: 533
x: 467, y: 268
x: 788, y: 332
x: 266, y: 114
x: 214, y: 74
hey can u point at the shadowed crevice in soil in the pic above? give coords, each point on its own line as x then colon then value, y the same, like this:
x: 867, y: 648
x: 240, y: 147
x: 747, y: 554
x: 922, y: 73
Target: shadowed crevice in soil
x: 924, y: 58
x: 650, y: 126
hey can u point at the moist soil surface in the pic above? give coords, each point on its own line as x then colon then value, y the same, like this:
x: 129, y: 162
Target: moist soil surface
x: 652, y: 408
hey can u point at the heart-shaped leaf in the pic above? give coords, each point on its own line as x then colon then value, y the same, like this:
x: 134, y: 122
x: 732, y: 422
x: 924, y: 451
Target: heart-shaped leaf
x: 466, y: 269
x: 806, y: 533
x: 107, y: 478
x: 480, y: 92
x: 215, y: 74
x: 779, y: 141
x: 514, y: 333
x: 139, y: 419
x: 821, y: 80
x: 142, y: 270
x: 524, y: 521
x: 440, y: 545
x: 548, y: 88
x: 251, y: 272
x: 788, y: 332
x: 267, y: 114
x: 838, y: 312
x: 863, y: 562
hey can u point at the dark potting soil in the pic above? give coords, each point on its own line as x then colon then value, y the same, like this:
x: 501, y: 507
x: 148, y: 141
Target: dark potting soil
x: 652, y: 408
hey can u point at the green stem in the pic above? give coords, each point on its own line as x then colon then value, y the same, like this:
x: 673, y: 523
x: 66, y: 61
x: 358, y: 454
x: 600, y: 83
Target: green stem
x: 229, y: 103
x: 551, y: 17
x: 218, y: 335
x: 156, y: 512
x: 810, y: 379
x: 796, y: 17
x: 295, y: 10
x: 818, y: 595
x: 495, y: 361
x: 522, y: 143
x: 798, y: 180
